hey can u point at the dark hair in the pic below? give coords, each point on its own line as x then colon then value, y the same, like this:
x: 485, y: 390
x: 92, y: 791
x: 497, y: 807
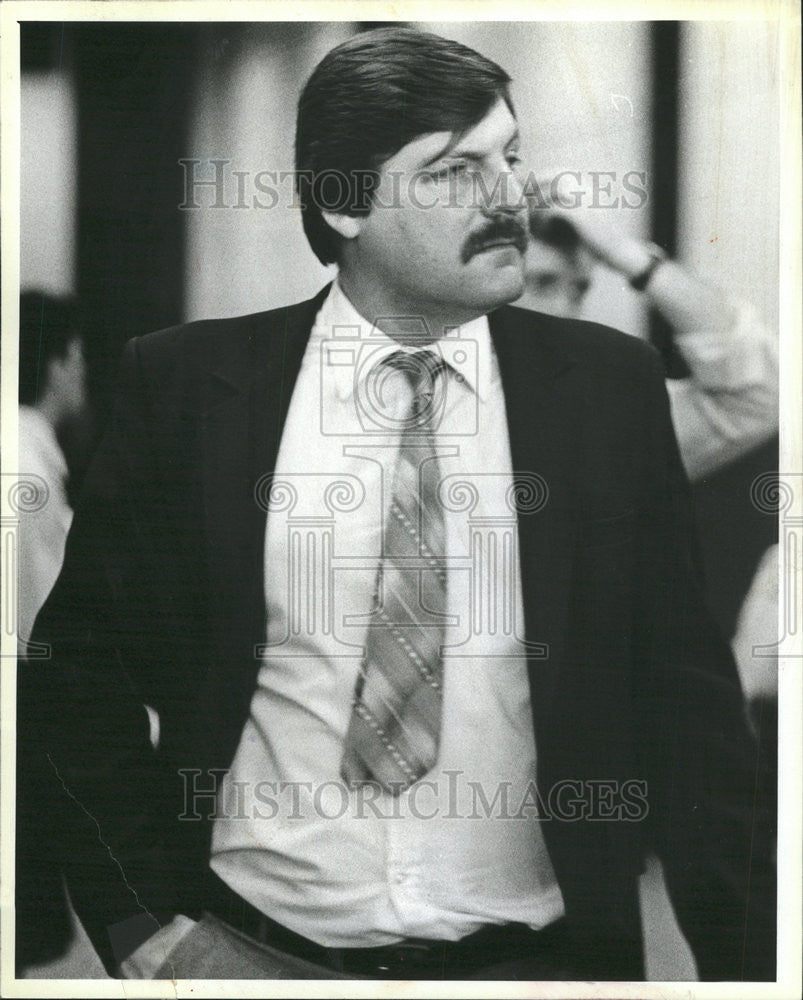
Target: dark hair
x: 554, y: 230
x: 47, y: 327
x: 369, y: 97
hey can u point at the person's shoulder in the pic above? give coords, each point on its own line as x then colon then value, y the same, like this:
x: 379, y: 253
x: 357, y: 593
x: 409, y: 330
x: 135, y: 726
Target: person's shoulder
x: 205, y: 342
x: 223, y: 344
x: 581, y: 341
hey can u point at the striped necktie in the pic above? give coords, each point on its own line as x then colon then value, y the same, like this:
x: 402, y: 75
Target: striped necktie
x: 394, y: 729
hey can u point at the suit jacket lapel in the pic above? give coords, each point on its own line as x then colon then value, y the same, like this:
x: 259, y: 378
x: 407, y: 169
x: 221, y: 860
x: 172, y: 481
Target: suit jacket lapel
x: 533, y: 373
x: 241, y: 433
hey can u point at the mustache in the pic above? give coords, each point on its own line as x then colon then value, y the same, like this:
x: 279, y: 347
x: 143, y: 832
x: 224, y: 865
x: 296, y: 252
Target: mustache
x: 501, y: 227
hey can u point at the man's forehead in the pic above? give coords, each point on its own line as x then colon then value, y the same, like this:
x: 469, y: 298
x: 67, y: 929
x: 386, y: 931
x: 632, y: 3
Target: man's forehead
x: 497, y: 128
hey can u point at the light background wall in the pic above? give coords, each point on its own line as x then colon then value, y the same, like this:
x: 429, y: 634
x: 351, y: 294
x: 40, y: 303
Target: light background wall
x: 729, y: 181
x: 48, y: 182
x: 242, y: 260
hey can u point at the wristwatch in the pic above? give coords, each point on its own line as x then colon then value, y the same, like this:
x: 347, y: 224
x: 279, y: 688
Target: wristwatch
x: 657, y: 256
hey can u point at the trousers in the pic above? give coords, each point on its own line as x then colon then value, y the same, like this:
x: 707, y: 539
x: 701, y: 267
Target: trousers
x: 214, y: 949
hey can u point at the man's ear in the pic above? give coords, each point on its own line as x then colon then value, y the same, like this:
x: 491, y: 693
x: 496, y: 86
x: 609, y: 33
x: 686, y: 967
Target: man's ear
x: 347, y: 226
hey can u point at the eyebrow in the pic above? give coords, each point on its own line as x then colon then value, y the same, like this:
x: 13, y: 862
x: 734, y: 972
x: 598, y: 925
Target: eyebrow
x: 464, y: 154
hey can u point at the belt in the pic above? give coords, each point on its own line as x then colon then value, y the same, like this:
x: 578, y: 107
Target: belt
x: 412, y: 958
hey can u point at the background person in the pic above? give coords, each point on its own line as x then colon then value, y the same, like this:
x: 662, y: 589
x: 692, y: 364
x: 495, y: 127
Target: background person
x: 52, y: 395
x: 53, y: 408
x: 729, y: 403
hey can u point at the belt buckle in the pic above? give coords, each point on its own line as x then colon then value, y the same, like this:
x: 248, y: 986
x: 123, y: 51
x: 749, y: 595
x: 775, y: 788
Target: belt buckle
x: 407, y: 957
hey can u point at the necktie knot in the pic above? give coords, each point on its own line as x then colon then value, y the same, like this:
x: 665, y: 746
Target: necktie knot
x: 421, y: 369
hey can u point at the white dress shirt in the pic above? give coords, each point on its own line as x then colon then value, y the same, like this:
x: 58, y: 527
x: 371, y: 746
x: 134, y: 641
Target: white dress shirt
x: 462, y: 847
x: 729, y: 402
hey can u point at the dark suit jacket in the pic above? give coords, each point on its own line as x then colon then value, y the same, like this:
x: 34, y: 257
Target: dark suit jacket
x: 160, y: 603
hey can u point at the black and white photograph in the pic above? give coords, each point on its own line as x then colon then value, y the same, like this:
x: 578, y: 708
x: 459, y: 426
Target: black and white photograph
x: 402, y: 499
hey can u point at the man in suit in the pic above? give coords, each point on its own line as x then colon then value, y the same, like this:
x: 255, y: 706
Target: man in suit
x: 379, y: 648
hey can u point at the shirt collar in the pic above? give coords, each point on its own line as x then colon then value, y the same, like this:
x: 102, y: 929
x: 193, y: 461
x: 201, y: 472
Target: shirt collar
x: 343, y: 338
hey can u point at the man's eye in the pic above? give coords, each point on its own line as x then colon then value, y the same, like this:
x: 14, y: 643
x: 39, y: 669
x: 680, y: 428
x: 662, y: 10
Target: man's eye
x: 453, y: 170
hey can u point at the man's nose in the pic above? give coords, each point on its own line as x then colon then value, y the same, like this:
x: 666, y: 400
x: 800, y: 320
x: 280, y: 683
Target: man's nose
x: 504, y: 195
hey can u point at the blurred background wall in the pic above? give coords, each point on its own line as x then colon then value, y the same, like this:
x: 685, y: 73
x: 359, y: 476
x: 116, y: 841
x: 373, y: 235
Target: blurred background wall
x: 729, y: 178
x: 155, y: 187
x: 48, y: 160
x: 728, y: 210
